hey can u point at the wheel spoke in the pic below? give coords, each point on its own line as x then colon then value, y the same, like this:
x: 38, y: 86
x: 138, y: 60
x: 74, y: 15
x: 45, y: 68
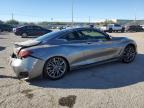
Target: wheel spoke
x: 56, y: 67
x: 129, y: 54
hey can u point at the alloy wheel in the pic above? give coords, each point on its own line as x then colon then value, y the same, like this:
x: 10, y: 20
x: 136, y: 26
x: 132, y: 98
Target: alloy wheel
x: 129, y: 54
x: 24, y: 35
x: 56, y: 67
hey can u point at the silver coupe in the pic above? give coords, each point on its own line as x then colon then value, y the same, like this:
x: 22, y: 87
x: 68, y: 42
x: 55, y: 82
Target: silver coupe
x: 56, y: 53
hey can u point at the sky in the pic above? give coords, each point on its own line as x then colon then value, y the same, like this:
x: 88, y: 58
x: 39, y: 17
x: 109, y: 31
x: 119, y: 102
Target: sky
x: 61, y: 10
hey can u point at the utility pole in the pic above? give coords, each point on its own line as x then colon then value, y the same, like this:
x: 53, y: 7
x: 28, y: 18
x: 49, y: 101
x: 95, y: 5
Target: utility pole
x: 135, y: 16
x: 89, y: 19
x: 51, y: 19
x: 72, y: 13
x: 12, y: 16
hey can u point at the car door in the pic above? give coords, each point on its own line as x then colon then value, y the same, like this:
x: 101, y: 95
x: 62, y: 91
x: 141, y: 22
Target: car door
x: 98, y: 46
x: 117, y: 27
x: 35, y: 31
x: 29, y: 30
x: 74, y: 48
x: 38, y: 31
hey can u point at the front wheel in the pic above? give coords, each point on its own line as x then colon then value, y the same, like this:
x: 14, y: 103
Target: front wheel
x: 55, y: 68
x: 129, y: 54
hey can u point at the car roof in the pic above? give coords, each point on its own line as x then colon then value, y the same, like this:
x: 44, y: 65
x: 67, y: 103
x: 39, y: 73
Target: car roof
x: 28, y: 26
x: 83, y: 28
x: 77, y: 29
x: 57, y: 34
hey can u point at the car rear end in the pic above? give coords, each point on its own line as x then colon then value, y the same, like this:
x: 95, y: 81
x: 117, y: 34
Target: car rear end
x: 24, y: 64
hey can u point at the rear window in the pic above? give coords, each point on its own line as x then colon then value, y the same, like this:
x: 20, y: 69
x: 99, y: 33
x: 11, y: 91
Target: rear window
x: 49, y: 36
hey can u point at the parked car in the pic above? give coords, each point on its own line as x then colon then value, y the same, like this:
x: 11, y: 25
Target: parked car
x: 142, y: 26
x: 26, y: 31
x: 134, y: 28
x: 62, y: 27
x: 113, y: 28
x: 5, y: 27
x: 56, y: 53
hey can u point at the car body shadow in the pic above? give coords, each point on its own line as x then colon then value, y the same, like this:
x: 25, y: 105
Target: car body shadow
x: 4, y: 76
x: 106, y: 76
x: 2, y: 48
x: 3, y: 38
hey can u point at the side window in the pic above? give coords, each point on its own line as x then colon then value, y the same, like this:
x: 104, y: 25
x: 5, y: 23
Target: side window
x: 71, y: 37
x: 37, y: 28
x: 29, y: 27
x: 93, y: 35
x: 117, y: 25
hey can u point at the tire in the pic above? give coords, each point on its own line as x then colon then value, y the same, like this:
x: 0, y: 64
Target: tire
x: 123, y: 30
x: 55, y: 68
x: 129, y: 54
x: 24, y: 35
x: 110, y: 30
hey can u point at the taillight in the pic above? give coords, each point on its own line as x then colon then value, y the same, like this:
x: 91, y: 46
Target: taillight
x: 24, y: 53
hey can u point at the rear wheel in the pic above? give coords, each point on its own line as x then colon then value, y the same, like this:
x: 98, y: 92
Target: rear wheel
x: 123, y: 30
x: 24, y: 35
x: 55, y: 68
x: 129, y: 54
x: 110, y: 30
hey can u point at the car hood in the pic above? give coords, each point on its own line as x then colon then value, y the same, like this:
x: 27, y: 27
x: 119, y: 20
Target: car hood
x: 120, y: 38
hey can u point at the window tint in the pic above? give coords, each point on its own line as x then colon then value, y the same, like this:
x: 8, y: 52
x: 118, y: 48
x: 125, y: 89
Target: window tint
x: 117, y: 25
x: 92, y: 35
x: 36, y: 27
x: 71, y: 36
x: 49, y: 36
x: 29, y: 27
x: 110, y: 25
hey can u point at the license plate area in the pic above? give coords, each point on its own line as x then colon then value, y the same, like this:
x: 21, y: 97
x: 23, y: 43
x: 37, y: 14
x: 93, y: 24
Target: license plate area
x: 13, y: 56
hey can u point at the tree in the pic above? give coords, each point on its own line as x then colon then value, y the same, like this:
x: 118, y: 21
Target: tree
x: 1, y: 22
x: 108, y: 22
x: 12, y: 22
x: 43, y: 23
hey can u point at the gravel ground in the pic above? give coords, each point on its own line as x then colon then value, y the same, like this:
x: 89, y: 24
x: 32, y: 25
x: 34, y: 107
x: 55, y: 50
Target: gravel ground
x: 112, y: 85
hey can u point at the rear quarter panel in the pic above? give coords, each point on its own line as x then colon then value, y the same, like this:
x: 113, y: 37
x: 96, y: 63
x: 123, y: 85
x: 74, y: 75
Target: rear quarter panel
x: 72, y: 54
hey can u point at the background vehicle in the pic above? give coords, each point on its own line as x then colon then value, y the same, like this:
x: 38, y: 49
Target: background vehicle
x: 113, y: 28
x: 62, y: 27
x: 30, y: 30
x: 5, y: 27
x: 54, y: 54
x: 142, y: 26
x: 134, y: 28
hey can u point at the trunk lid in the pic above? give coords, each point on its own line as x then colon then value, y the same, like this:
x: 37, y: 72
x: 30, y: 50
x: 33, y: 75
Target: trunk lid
x: 21, y: 45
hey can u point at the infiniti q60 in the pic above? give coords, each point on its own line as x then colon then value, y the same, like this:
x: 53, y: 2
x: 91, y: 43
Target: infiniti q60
x: 56, y: 53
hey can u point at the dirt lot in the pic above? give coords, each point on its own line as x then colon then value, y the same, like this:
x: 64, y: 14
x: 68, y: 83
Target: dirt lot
x: 112, y: 85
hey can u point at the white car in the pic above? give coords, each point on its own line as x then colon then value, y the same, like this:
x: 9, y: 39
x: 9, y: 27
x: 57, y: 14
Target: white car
x: 113, y: 28
x: 142, y: 26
